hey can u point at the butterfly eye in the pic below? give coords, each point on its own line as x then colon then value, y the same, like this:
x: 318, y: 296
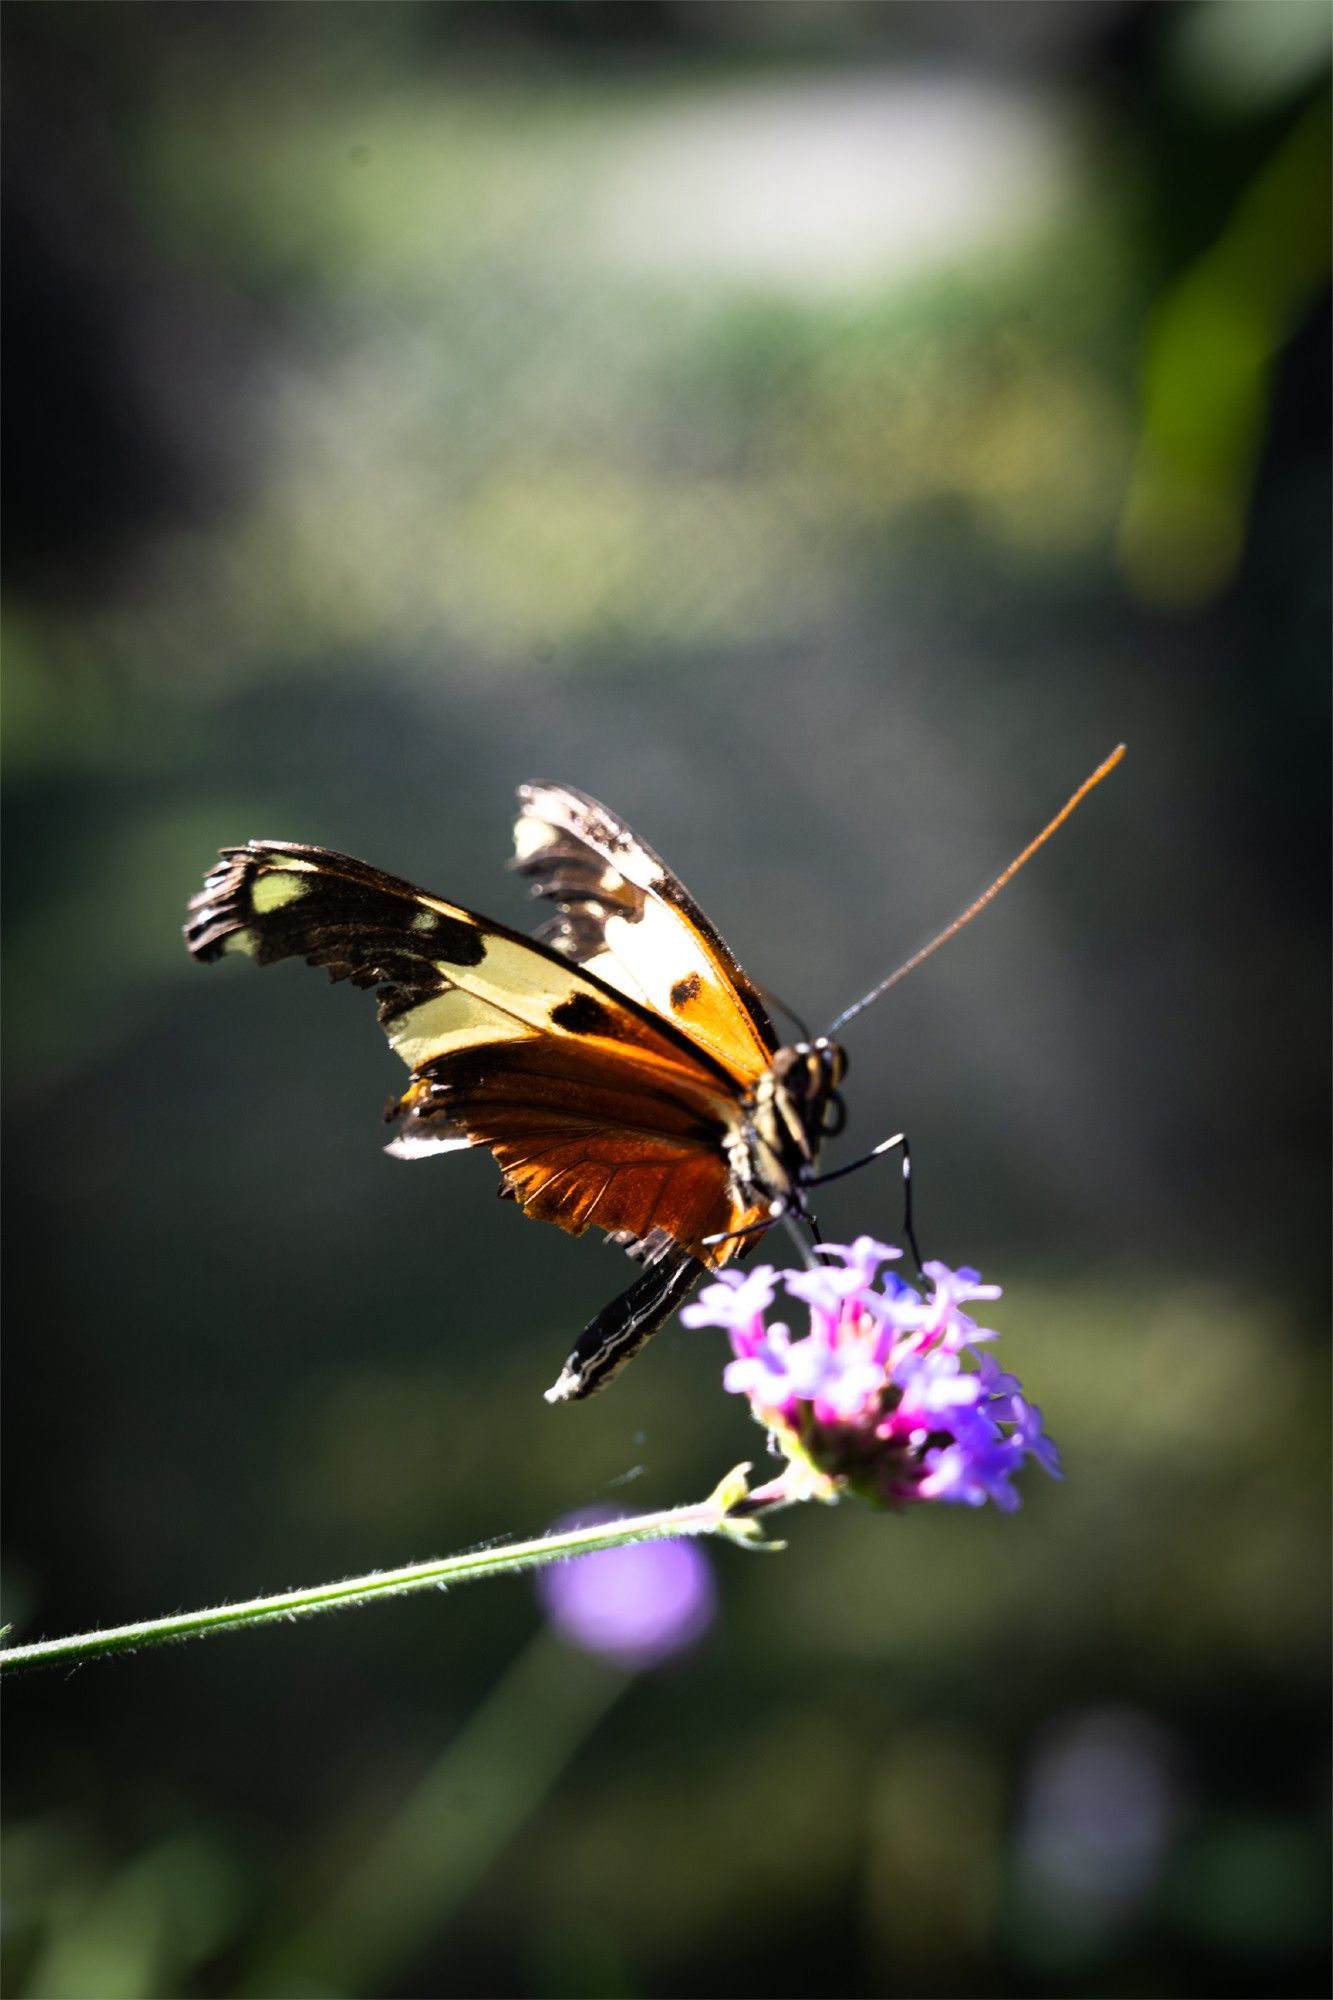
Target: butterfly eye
x: 835, y: 1116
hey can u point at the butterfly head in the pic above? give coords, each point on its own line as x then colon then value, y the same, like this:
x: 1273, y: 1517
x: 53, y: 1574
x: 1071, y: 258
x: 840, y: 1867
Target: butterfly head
x: 810, y: 1072
x: 792, y: 1108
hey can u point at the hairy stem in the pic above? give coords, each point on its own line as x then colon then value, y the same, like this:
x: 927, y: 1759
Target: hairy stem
x: 706, y: 1517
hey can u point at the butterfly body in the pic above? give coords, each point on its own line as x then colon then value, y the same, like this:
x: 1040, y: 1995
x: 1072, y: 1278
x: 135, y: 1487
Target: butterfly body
x: 786, y: 1112
x: 620, y: 1066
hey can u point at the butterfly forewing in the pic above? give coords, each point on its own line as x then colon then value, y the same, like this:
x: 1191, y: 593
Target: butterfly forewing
x: 624, y: 916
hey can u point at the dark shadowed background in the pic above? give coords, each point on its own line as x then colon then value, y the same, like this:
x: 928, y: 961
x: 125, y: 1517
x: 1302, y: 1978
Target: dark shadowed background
x: 821, y: 431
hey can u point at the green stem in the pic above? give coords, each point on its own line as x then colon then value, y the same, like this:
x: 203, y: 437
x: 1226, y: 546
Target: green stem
x: 706, y: 1517
x: 412, y: 1878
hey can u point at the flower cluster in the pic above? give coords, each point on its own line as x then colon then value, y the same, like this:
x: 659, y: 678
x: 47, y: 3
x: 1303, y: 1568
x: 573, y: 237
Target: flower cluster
x: 887, y: 1394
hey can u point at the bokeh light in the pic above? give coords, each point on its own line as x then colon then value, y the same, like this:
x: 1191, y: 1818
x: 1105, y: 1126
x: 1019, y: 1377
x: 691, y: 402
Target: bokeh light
x: 635, y: 1606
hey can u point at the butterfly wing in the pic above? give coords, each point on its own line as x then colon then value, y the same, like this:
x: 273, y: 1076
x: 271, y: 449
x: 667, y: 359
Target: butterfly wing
x: 625, y: 917
x: 598, y: 1112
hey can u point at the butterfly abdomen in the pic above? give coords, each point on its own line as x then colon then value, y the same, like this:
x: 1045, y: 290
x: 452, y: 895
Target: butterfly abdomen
x: 627, y: 1324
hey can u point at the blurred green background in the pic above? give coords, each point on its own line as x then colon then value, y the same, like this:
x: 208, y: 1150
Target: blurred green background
x: 821, y: 431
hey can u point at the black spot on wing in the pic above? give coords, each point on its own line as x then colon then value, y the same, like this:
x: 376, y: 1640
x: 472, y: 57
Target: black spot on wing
x: 454, y: 942
x: 686, y: 989
x: 581, y: 1014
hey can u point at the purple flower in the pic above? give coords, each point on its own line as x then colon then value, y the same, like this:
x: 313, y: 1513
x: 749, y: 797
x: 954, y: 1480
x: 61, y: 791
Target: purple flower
x: 932, y: 1384
x: 1028, y: 1421
x: 635, y: 1605
x: 781, y: 1370
x: 886, y: 1395
x: 831, y: 1284
x: 737, y: 1301
x: 969, y: 1476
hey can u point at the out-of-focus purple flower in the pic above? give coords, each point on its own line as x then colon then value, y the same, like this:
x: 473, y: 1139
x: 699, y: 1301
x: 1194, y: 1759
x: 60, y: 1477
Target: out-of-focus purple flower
x: 634, y: 1606
x: 1105, y: 1799
x: 886, y: 1395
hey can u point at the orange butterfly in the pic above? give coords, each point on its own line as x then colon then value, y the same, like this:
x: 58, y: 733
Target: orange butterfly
x: 620, y: 1066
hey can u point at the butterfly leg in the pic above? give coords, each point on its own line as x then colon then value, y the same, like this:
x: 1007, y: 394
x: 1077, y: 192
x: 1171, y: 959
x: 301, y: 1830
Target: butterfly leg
x: 784, y: 1211
x: 899, y: 1142
x: 791, y: 1218
x: 777, y: 1209
x: 623, y: 1327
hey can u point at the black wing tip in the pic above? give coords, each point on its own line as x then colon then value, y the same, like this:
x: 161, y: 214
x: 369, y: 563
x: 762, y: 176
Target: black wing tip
x: 220, y: 908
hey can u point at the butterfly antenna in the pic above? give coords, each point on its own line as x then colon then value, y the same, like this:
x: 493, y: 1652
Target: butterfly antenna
x: 1103, y: 770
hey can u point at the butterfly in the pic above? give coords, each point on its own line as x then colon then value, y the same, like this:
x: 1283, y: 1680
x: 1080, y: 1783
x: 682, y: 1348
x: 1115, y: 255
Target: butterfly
x: 620, y: 1066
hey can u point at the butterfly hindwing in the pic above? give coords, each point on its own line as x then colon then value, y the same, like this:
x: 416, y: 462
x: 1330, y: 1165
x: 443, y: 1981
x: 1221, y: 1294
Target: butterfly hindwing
x: 585, y: 1136
x: 624, y: 916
